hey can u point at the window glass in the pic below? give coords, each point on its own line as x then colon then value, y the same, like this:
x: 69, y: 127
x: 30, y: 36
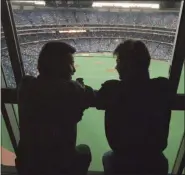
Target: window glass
x: 8, y: 155
x: 181, y: 82
x: 7, y: 151
x: 175, y: 136
x: 95, y: 33
x: 6, y: 64
x: 98, y: 31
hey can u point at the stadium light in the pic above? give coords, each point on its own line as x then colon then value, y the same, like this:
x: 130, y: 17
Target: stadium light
x: 72, y: 31
x: 125, y: 5
x: 40, y: 3
x: 31, y: 2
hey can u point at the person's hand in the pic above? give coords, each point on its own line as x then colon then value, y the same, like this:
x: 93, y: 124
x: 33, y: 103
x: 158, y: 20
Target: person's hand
x: 81, y: 82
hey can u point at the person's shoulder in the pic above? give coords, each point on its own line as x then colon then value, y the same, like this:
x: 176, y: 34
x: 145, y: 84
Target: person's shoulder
x: 111, y: 83
x: 161, y: 83
x: 25, y: 85
x: 26, y: 80
x: 109, y: 87
x: 75, y: 86
x: 160, y: 79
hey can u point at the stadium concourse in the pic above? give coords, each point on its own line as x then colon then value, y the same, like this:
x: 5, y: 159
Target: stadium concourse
x: 95, y: 34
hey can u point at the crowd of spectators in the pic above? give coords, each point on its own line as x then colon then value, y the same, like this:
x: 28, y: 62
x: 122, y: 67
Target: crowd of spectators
x: 30, y: 53
x: 69, y: 16
x: 165, y: 37
x: 160, y: 46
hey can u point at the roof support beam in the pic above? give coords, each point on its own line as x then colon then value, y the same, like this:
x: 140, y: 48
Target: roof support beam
x: 12, y: 40
x: 178, y: 53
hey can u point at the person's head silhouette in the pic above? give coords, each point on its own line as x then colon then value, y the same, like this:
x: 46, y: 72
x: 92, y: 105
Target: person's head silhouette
x: 56, y: 60
x: 133, y: 60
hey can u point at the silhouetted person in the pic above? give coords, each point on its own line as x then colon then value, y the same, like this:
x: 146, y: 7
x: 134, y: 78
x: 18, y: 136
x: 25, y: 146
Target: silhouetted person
x: 50, y: 106
x: 137, y: 114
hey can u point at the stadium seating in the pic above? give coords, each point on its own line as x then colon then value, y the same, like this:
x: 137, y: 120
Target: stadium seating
x: 30, y: 53
x: 52, y: 17
x: 89, y: 41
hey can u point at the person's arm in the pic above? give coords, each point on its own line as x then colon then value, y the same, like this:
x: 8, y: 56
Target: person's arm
x: 106, y: 94
x: 93, y: 98
x: 83, y: 96
x: 89, y: 94
x: 166, y: 102
x: 165, y: 89
x: 101, y: 98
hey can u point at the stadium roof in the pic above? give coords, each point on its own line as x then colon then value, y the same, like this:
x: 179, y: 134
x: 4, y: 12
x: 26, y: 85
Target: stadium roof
x: 99, y: 4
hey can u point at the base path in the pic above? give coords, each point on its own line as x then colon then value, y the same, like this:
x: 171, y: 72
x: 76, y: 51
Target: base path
x: 7, y: 157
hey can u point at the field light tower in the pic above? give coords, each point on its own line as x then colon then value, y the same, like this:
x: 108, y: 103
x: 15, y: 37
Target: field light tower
x: 126, y: 4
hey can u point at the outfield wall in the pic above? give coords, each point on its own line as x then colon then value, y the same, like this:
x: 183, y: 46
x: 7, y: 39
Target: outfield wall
x: 107, y: 54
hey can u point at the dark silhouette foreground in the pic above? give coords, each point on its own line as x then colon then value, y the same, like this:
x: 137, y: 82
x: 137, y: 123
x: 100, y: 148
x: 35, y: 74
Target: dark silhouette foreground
x: 137, y: 114
x: 50, y: 106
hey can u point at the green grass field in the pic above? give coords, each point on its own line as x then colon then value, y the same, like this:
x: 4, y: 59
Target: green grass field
x: 95, y: 70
